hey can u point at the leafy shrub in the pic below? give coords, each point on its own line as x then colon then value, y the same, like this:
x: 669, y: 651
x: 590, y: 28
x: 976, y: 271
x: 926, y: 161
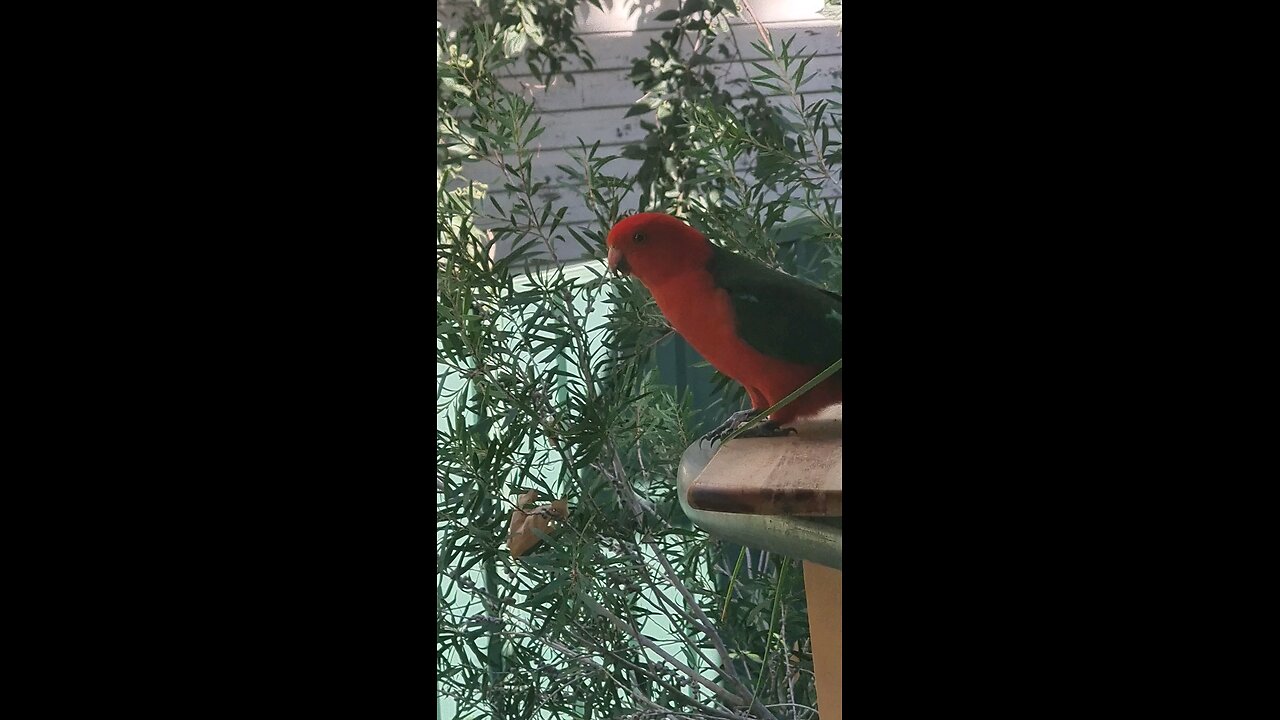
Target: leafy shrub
x: 546, y: 382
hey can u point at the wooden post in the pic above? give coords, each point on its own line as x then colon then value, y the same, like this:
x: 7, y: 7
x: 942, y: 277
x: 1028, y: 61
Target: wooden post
x: 823, y: 587
x: 789, y: 478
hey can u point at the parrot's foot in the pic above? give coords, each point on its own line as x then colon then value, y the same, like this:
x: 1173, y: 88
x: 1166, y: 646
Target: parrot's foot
x: 735, y: 420
x: 768, y: 429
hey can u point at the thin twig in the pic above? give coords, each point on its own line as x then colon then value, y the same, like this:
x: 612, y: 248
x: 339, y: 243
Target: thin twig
x: 724, y: 695
x: 764, y: 34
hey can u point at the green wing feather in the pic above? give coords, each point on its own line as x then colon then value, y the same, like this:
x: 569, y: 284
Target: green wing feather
x: 777, y: 314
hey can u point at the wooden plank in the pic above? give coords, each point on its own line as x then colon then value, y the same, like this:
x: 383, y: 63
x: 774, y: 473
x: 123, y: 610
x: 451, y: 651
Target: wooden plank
x: 616, y: 51
x: 566, y: 248
x: 579, y: 217
x: 613, y: 88
x: 559, y: 143
x: 566, y: 120
x: 799, y: 474
x: 601, y: 35
x: 578, y: 211
x: 629, y: 16
x: 778, y: 29
x: 624, y: 15
x: 824, y: 592
x: 571, y: 195
x: 594, y: 108
x: 614, y: 47
x: 559, y: 184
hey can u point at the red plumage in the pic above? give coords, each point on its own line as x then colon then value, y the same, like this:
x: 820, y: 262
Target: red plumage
x: 684, y: 272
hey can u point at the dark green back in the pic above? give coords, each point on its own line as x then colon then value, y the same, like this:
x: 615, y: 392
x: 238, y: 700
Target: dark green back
x: 780, y: 315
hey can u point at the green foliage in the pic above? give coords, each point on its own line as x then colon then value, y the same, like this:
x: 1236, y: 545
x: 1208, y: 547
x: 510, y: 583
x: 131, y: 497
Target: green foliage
x: 539, y: 33
x: 755, y: 174
x: 546, y: 381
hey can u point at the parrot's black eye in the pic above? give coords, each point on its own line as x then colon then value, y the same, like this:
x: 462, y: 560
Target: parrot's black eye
x: 638, y: 237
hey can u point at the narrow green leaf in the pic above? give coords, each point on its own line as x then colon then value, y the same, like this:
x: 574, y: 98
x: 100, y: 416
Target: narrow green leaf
x: 638, y: 109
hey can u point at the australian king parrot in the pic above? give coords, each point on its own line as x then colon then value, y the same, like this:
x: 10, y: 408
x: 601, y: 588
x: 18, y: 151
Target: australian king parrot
x: 767, y: 330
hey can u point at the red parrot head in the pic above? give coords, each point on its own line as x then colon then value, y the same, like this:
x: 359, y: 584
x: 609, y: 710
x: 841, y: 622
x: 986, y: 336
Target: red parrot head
x: 653, y: 246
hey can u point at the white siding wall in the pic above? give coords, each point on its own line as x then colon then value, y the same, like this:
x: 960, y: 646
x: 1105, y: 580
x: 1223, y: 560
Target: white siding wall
x: 593, y: 108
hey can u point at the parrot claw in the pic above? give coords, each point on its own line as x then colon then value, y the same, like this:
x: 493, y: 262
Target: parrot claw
x: 768, y: 429
x: 729, y: 425
x: 736, y: 420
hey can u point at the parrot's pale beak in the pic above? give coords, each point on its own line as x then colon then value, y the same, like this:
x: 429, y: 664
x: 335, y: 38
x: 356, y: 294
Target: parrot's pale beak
x: 618, y: 262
